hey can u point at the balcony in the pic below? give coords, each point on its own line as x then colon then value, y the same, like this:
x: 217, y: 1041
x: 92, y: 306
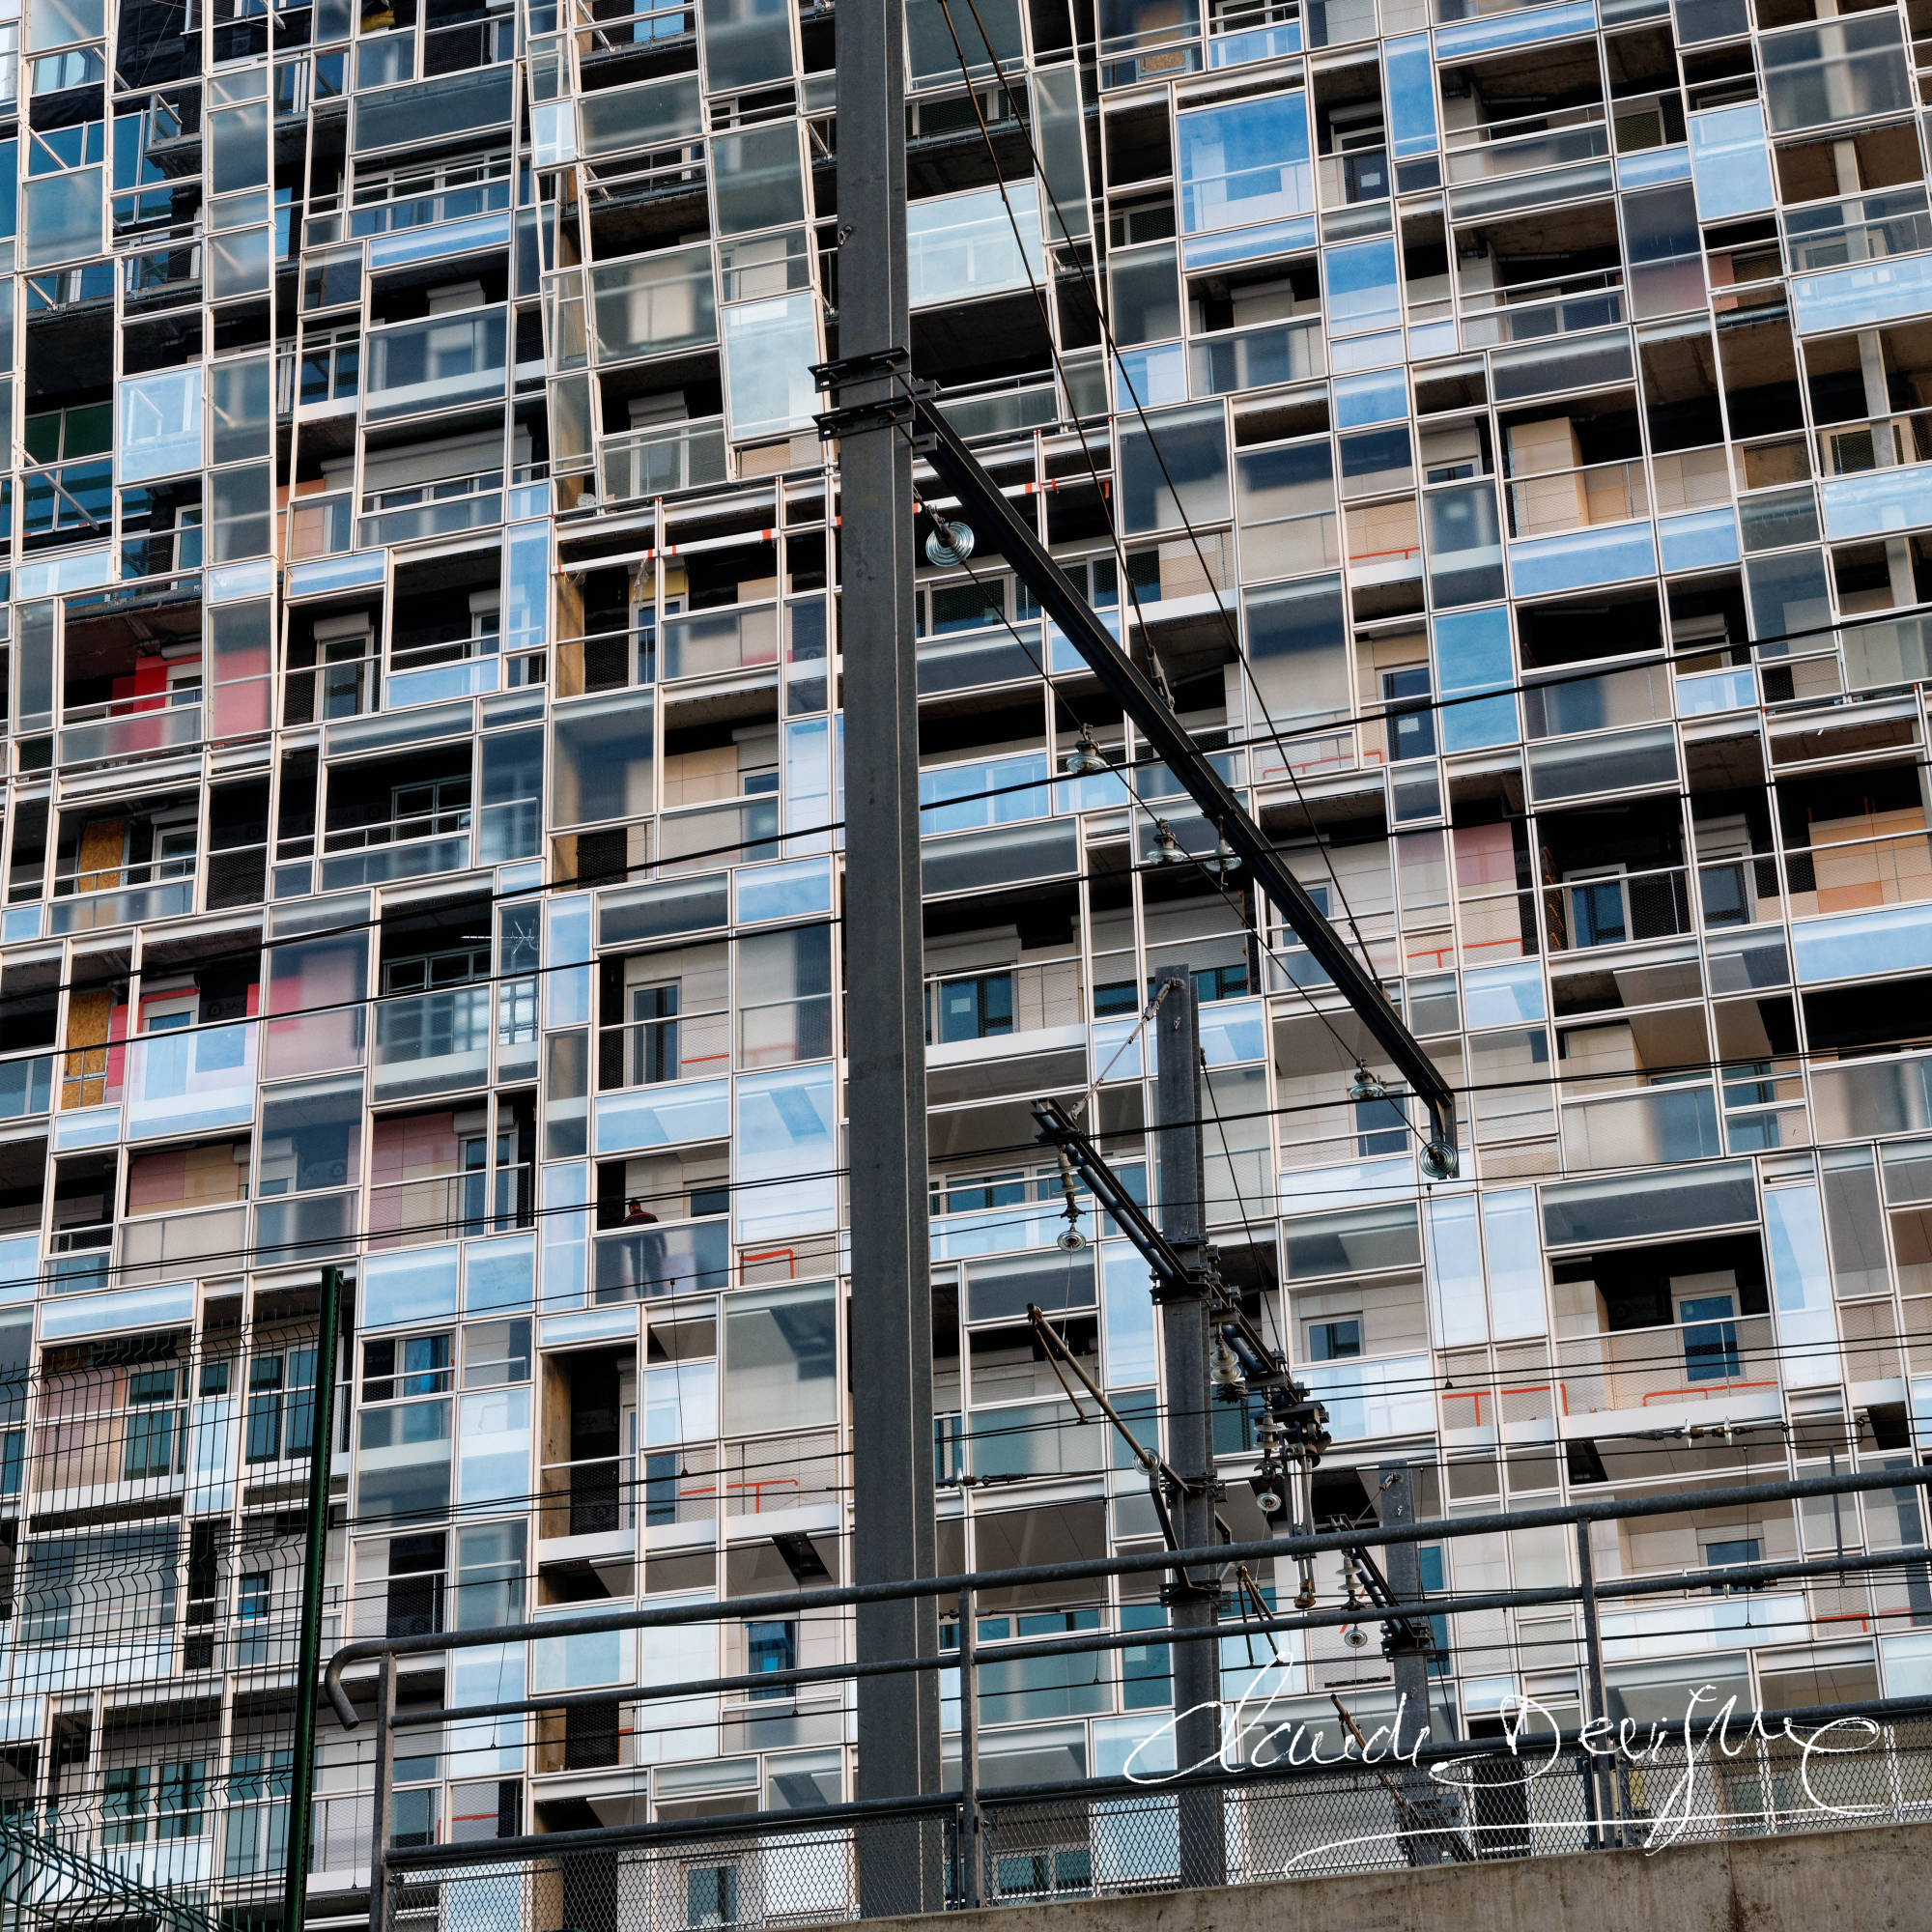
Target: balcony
x: 1000, y: 1003
x: 1571, y: 499
x: 1730, y: 1362
x: 1534, y: 311
x: 709, y: 643
x: 643, y: 463
x: 448, y: 362
x: 191, y: 1081
x: 129, y: 728
x: 406, y: 513
x: 433, y: 1043
x: 638, y: 1263
x: 682, y: 1046
x: 1529, y: 142
x: 397, y: 848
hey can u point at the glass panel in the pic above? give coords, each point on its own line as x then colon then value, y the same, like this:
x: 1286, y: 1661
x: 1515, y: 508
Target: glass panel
x: 960, y: 246
x: 756, y: 179
x: 160, y: 424
x: 1245, y: 163
x: 769, y: 350
x: 1187, y: 481
x: 780, y: 1359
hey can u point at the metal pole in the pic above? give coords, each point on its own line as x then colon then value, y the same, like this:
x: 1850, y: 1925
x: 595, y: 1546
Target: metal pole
x: 379, y: 1806
x: 897, y: 1720
x: 1401, y: 1565
x: 309, y: 1643
x: 972, y: 1856
x: 1599, y: 1797
x: 1193, y: 1599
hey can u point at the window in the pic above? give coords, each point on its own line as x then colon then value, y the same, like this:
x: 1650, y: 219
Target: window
x: 1722, y: 1551
x: 415, y: 1603
x: 253, y: 1607
x: 180, y: 1796
x: 152, y: 1445
x: 1335, y: 1340
x: 654, y: 1033
x: 772, y: 1646
x: 281, y: 1405
x: 1598, y: 913
x: 711, y: 1895
x: 411, y: 1365
x: 1411, y: 724
x: 494, y: 1353
x: 979, y: 1007
x: 124, y: 1805
x: 489, y: 1576
x: 1710, y: 1337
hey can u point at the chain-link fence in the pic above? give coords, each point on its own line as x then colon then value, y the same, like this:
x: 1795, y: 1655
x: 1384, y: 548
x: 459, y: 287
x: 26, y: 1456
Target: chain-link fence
x: 1465, y: 1803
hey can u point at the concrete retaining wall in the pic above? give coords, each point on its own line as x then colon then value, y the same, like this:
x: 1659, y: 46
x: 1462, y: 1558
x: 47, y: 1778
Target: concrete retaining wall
x: 1876, y: 1880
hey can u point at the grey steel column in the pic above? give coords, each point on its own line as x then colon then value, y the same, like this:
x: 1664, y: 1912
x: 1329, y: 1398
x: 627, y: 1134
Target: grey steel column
x: 1597, y: 1783
x: 971, y: 1848
x: 1193, y: 1601
x: 891, y: 1319
x: 1402, y: 1566
x: 380, y: 1806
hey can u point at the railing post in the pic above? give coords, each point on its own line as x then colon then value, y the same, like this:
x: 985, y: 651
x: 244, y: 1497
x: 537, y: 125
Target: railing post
x: 972, y: 1853
x: 1601, y: 1813
x: 385, y: 1771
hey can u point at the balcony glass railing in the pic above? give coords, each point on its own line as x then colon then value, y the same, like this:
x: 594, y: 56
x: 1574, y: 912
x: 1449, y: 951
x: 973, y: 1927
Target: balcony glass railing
x: 1531, y: 311
x: 122, y: 905
x: 437, y: 509
x: 661, y: 462
x: 637, y: 1264
x: 431, y: 1042
x: 1530, y: 141
x: 447, y: 361
x: 129, y: 727
x: 191, y: 1080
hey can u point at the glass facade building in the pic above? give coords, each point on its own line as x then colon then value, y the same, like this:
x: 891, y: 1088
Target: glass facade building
x: 1507, y: 428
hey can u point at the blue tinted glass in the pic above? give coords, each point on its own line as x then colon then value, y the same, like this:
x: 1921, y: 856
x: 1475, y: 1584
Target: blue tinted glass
x: 1361, y: 286
x: 1577, y: 559
x: 1370, y: 399
x: 1411, y: 96
x: 1245, y: 163
x: 1473, y: 653
x: 1729, y: 162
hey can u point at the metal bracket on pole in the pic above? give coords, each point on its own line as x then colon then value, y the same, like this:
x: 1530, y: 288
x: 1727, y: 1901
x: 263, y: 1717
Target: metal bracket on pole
x: 983, y: 506
x: 883, y: 365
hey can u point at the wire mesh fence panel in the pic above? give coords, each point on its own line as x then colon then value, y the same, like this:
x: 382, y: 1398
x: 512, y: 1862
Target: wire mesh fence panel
x: 154, y: 1534
x: 1477, y: 1800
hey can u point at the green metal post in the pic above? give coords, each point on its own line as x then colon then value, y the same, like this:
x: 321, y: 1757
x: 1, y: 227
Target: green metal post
x: 322, y: 1447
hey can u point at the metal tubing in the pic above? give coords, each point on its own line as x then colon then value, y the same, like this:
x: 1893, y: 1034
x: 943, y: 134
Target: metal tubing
x: 891, y: 1325
x: 1084, y: 1568
x: 380, y: 1806
x: 1401, y: 1565
x: 1739, y: 1576
x: 1593, y: 1669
